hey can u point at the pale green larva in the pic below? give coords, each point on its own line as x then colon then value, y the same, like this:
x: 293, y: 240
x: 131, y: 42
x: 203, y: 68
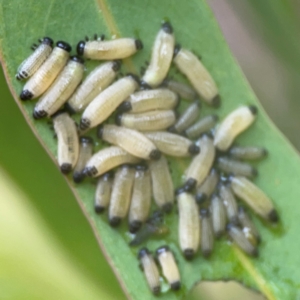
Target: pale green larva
x: 247, y: 153
x: 229, y: 202
x: 218, y: 214
x: 103, y: 192
x: 183, y: 90
x: 207, y: 234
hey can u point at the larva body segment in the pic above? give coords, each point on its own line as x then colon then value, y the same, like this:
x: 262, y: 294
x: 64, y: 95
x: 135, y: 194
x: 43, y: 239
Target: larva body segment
x: 103, y: 192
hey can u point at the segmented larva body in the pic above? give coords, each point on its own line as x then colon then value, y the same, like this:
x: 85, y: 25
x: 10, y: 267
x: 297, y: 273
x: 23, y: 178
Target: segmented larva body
x: 147, y: 100
x: 218, y: 214
x: 46, y: 74
x: 229, y: 203
x: 162, y: 184
x: 248, y: 152
x: 190, y: 65
x: 148, y: 121
x: 130, y: 140
x: 245, y: 190
x: 234, y: 124
x: 169, y: 267
x: 189, y: 224
x: 107, y: 102
x: 183, y: 90
x: 161, y: 57
x: 67, y: 141
x: 107, y: 159
x: 97, y: 81
x: 31, y: 64
x: 172, y: 144
x: 141, y: 198
x: 103, y: 192
x: 61, y: 89
x: 109, y: 50
x: 207, y: 234
x: 121, y: 194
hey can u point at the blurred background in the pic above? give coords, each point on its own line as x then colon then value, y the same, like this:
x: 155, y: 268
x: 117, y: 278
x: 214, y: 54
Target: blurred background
x: 264, y: 38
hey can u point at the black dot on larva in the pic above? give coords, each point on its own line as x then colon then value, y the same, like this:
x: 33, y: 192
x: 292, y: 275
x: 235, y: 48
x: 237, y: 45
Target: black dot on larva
x: 216, y: 101
x: 155, y: 154
x: 167, y: 208
x: 26, y: 95
x: 99, y: 209
x: 115, y: 221
x: 66, y: 168
x: 189, y: 254
x: 135, y: 226
x: 80, y: 47
x: 139, y: 45
x: 175, y: 286
x: 194, y: 149
x: 273, y: 216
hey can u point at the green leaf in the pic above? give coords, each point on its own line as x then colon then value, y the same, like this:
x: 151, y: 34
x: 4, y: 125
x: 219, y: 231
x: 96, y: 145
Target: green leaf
x: 273, y: 273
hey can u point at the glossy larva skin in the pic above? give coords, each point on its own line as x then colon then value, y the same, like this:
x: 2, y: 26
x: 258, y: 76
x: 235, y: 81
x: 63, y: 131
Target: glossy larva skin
x: 147, y: 100
x: 31, y: 64
x: 172, y: 144
x: 201, y: 164
x: 103, y: 192
x: 218, y: 214
x: 150, y: 270
x: 206, y: 189
x: 183, y: 90
x: 190, y: 65
x: 230, y: 203
x: 188, y: 117
x: 148, y: 121
x: 161, y: 57
x: 202, y: 126
x: 107, y: 159
x: 245, y: 190
x: 61, y: 89
x: 162, y: 184
x: 207, y: 234
x: 109, y: 50
x: 234, y: 124
x: 141, y: 199
x: 169, y: 267
x: 231, y: 166
x: 45, y: 75
x: 189, y: 224
x: 130, y: 140
x: 85, y: 153
x: 98, y: 80
x: 121, y: 194
x: 239, y: 238
x: 107, y: 102
x: 247, y: 153
x: 67, y: 142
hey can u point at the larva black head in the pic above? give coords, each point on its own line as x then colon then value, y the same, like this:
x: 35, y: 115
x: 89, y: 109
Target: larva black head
x: 69, y: 108
x: 162, y: 249
x: 116, y: 65
x: 264, y: 152
x: 118, y: 119
x: 78, y: 177
x: 59, y: 112
x: 39, y: 114
x: 48, y: 41
x: 253, y: 109
x: 144, y: 85
x: 77, y: 59
x: 80, y: 48
x: 273, y: 216
x: 134, y: 226
x: 99, y: 209
x: 189, y: 254
x: 167, y: 27
x: 143, y: 252
x: 26, y: 95
x: 190, y: 184
x: 176, y: 50
x: 135, y: 77
x: 66, y: 168
x: 180, y: 190
x: 138, y: 44
x: 172, y: 129
x: 125, y: 106
x: 175, y: 286
x: 167, y: 208
x: 156, y: 217
x: 90, y: 171
x: 108, y: 175
x: 156, y: 290
x: 63, y: 45
x: 114, y: 221
x: 86, y: 140
x: 84, y: 124
x: 100, y: 131
x: 216, y: 101
x: 141, y: 167
x: 204, y: 213
x: 155, y: 154
x: 194, y: 149
x: 200, y: 198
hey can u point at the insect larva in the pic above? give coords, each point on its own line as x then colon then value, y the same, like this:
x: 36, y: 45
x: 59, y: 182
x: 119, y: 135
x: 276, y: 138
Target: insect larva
x: 161, y: 57
x: 148, y: 121
x: 229, y: 203
x: 201, y: 164
x: 68, y: 143
x: 218, y: 215
x: 29, y: 66
x: 207, y: 234
x: 231, y: 166
x: 45, y: 75
x: 103, y: 192
x: 61, y: 89
x: 169, y: 267
x: 254, y: 197
x: 150, y: 269
x: 98, y: 80
x: 202, y: 126
x: 107, y: 101
x: 188, y: 117
x: 107, y: 159
x: 238, y: 237
x: 190, y: 65
x: 130, y: 140
x: 109, y: 50
x: 189, y: 224
x: 205, y: 190
x: 141, y: 198
x: 162, y: 184
x: 234, y: 124
x: 147, y: 100
x: 85, y: 153
x: 172, y: 144
x: 247, y: 153
x: 249, y: 228
x: 183, y: 90
x: 120, y: 194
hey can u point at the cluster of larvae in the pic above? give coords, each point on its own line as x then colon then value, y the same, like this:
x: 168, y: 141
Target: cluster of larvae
x: 145, y: 129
